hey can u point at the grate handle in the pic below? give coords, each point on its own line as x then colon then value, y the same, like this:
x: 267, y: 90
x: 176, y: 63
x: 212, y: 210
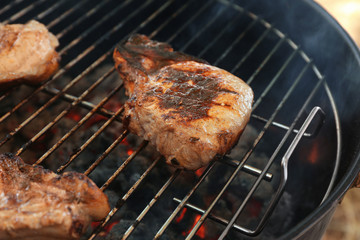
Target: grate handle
x: 275, y: 199
x: 284, y: 176
x: 284, y: 164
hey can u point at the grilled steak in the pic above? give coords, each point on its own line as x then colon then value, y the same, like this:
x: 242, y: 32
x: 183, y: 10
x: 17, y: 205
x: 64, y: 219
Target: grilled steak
x: 191, y: 111
x: 36, y: 203
x: 27, y: 53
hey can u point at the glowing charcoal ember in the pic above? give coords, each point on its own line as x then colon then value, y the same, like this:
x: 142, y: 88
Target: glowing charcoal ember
x: 106, y: 229
x: 181, y: 216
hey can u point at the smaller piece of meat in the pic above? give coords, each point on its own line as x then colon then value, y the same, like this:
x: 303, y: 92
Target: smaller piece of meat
x: 36, y: 203
x: 27, y: 53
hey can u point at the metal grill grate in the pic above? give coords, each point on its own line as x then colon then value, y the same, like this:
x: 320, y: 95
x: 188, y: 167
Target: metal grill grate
x: 88, y: 32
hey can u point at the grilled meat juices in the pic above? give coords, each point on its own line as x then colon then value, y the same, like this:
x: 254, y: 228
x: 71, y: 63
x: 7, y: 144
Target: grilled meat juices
x: 36, y: 203
x: 191, y: 111
x: 27, y: 53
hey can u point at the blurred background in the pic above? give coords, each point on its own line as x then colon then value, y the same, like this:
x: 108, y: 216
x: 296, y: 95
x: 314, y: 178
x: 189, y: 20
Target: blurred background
x: 345, y: 224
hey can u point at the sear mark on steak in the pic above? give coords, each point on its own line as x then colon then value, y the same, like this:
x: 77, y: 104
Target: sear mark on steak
x: 192, y: 91
x: 189, y: 110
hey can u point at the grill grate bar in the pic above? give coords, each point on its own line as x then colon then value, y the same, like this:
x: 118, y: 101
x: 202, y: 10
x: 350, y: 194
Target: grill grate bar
x: 49, y: 10
x: 16, y: 107
x: 241, y: 36
x: 7, y: 93
x: 122, y: 201
x: 192, y: 18
x: 271, y: 160
x: 97, y: 24
x: 221, y: 33
x: 241, y: 165
x: 266, y: 60
x: 211, y: 216
x: 88, y: 105
x: 234, y: 174
x: 85, y: 104
x: 131, y: 229
x: 86, y: 16
x: 151, y: 203
x: 108, y: 113
x: 167, y: 21
x: 208, y: 24
x: 183, y: 202
x: 282, y: 126
x: 247, y: 168
x: 65, y: 14
x: 153, y: 15
x: 10, y: 6
x: 275, y: 79
x: 48, y: 103
x: 254, y: 46
x: 79, y: 124
x: 90, y: 140
x: 66, y: 111
x: 106, y: 152
x: 51, y: 24
x: 115, y: 115
x: 23, y: 12
x: 123, y: 165
x: 59, y: 73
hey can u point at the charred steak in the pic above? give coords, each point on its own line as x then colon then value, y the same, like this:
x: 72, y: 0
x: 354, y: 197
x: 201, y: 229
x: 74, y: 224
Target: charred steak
x: 36, y: 203
x: 27, y: 53
x: 191, y: 111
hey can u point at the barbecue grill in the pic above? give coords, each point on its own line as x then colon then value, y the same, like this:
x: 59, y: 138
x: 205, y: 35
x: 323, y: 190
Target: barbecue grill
x: 280, y: 181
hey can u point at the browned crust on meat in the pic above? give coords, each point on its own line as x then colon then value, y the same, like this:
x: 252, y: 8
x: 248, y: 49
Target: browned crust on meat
x: 46, y: 204
x: 149, y: 56
x: 191, y: 111
x: 193, y: 92
x: 13, y: 40
x: 144, y: 57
